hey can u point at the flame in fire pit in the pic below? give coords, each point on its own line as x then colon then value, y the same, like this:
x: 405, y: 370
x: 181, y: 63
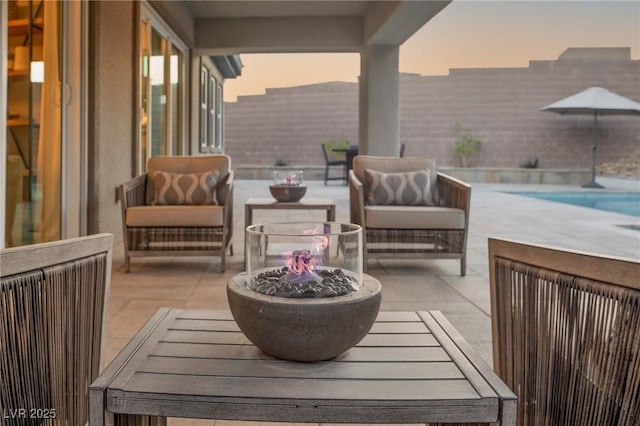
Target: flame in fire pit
x: 302, y: 263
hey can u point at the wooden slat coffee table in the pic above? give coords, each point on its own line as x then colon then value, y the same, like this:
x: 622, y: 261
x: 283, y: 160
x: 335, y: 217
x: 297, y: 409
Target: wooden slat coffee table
x: 412, y: 367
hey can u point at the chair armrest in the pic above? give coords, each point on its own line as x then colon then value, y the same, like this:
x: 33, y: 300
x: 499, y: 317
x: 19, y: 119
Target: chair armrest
x: 134, y: 192
x: 356, y: 199
x: 454, y: 193
x: 226, y: 192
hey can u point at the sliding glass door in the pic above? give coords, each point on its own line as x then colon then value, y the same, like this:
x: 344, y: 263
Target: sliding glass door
x: 161, y: 92
x: 33, y: 122
x: 43, y: 142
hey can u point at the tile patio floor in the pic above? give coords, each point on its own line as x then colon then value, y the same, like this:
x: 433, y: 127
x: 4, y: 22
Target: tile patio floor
x: 196, y: 283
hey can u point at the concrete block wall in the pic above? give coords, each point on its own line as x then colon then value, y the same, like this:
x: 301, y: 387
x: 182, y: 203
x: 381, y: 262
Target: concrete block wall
x: 289, y: 124
x: 501, y: 106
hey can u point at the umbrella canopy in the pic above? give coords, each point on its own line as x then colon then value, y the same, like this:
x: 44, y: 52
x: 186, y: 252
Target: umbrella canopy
x: 595, y: 101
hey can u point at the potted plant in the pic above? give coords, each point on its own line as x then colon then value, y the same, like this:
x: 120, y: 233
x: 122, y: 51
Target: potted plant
x: 466, y: 146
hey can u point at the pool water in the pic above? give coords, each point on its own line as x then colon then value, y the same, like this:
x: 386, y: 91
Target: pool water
x: 618, y: 202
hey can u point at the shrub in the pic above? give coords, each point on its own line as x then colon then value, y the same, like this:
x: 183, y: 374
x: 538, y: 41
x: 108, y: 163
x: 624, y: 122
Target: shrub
x: 466, y: 145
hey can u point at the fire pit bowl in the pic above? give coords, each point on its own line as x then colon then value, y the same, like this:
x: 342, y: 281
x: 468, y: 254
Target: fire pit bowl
x: 287, y: 193
x: 304, y: 296
x: 287, y: 186
x: 304, y: 329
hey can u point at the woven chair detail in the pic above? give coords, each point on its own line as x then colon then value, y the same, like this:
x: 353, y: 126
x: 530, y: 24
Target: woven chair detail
x: 566, y: 332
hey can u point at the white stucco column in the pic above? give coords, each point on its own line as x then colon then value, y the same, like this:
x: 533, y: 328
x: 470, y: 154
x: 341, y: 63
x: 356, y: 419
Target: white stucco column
x: 379, y: 101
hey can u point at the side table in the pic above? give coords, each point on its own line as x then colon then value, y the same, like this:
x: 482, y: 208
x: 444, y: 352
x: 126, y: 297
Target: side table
x: 412, y: 367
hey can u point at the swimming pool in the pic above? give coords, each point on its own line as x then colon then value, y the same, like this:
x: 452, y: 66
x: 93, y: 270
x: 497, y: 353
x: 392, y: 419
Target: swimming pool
x: 619, y: 202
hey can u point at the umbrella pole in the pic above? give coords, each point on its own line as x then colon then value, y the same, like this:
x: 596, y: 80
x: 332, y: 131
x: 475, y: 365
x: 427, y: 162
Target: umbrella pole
x: 594, y: 148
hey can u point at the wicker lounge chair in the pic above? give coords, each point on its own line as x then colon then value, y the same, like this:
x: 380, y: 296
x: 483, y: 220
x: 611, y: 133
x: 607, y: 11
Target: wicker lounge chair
x: 566, y: 334
x: 157, y: 223
x: 435, y: 226
x: 52, y: 321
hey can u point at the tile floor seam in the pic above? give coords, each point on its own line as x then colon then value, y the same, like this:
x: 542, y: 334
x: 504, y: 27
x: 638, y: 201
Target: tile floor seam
x: 471, y: 302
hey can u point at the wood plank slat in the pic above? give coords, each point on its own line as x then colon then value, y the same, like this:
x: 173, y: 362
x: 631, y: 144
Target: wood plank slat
x: 16, y: 260
x: 266, y: 389
x: 356, y: 354
x: 205, y: 315
x: 231, y: 338
x: 217, y: 325
x: 382, y: 354
x: 469, y: 370
x: 398, y: 340
x: 209, y: 351
x: 399, y: 327
x: 317, y: 370
x: 212, y: 337
x: 393, y: 316
x: 204, y: 325
x: 441, y: 411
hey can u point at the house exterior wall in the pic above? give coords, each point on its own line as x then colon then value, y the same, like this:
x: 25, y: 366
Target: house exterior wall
x: 498, y: 105
x: 111, y: 126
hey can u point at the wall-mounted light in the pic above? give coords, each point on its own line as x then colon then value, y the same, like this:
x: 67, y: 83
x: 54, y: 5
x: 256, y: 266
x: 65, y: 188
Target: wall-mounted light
x: 37, y: 72
x: 156, y: 70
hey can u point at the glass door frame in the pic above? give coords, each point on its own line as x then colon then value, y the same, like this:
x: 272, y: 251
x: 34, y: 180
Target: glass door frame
x: 3, y: 114
x: 148, y: 16
x: 73, y: 115
x: 75, y: 118
x: 211, y: 105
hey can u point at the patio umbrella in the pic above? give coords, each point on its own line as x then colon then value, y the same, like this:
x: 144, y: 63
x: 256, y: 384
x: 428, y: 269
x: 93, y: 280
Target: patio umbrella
x: 596, y: 101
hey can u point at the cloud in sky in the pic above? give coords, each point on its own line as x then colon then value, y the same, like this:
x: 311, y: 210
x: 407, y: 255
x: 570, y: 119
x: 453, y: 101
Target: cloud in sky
x: 466, y: 34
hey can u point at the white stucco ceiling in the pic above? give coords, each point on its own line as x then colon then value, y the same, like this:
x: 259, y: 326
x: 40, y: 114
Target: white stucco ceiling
x: 263, y: 9
x: 233, y: 27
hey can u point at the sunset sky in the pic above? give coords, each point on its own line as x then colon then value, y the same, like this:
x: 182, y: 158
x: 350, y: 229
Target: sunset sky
x: 466, y: 34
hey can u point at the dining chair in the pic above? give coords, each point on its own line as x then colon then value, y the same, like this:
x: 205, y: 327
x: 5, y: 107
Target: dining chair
x: 53, y: 299
x: 330, y: 161
x: 566, y: 333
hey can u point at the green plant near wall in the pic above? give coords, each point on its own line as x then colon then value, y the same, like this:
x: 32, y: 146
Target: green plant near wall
x: 280, y: 162
x: 339, y: 144
x: 466, y: 146
x: 530, y: 164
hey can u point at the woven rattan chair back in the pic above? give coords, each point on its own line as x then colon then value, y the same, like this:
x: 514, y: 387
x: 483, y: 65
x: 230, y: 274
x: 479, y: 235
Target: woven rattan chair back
x: 52, y: 320
x: 566, y: 334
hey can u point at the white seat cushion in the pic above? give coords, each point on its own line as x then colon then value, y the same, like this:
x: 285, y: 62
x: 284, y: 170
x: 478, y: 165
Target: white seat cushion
x: 175, y: 216
x: 413, y: 217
